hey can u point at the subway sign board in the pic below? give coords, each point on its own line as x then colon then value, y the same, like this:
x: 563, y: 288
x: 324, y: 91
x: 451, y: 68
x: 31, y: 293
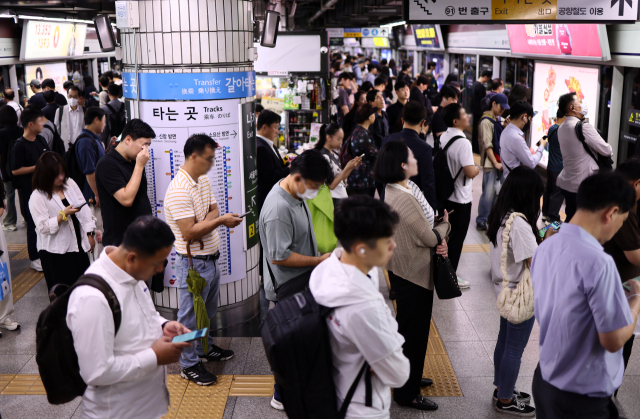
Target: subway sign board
x: 518, y: 11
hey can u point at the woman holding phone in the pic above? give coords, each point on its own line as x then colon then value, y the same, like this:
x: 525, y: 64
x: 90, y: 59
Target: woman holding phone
x: 64, y: 225
x: 520, y: 193
x: 411, y: 266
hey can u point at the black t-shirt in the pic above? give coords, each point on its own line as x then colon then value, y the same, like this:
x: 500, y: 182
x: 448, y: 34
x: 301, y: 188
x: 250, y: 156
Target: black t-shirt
x: 395, y: 117
x: 26, y: 153
x: 479, y: 92
x: 626, y: 239
x: 112, y: 174
x: 38, y: 101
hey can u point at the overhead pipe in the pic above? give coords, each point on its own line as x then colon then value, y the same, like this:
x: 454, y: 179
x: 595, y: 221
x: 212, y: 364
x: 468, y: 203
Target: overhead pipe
x: 321, y: 11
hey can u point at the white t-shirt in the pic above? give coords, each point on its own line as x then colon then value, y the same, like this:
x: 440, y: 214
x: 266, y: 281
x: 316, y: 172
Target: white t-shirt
x: 459, y: 155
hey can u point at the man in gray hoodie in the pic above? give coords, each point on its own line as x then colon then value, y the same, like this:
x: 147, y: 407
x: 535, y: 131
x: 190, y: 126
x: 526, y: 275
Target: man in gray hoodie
x: 361, y: 327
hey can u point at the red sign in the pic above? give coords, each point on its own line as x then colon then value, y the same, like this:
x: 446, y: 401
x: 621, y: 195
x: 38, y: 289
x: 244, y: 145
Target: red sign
x: 555, y: 39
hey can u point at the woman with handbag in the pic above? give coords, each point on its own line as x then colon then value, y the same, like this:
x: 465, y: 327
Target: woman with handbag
x: 411, y: 267
x: 64, y: 225
x: 514, y: 239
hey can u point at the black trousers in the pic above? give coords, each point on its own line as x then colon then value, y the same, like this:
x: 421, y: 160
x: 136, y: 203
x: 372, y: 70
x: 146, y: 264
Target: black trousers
x: 570, y: 203
x: 475, y: 133
x: 415, y: 305
x: 552, y: 198
x: 553, y: 403
x: 32, y: 237
x: 63, y: 268
x: 366, y: 191
x: 459, y: 221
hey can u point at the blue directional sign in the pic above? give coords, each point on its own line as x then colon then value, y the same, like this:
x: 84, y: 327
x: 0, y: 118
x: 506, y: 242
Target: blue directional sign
x: 190, y: 86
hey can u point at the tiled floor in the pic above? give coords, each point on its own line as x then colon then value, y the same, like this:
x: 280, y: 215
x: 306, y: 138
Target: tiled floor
x: 468, y: 327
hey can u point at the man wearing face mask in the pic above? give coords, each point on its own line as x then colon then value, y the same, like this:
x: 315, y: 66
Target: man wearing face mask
x: 514, y: 151
x: 578, y: 164
x: 288, y: 240
x: 69, y: 119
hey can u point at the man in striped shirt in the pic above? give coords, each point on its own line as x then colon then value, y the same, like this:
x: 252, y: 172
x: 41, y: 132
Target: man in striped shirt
x: 193, y: 215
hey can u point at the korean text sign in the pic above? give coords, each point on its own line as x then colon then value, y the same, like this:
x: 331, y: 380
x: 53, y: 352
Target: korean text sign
x: 190, y: 86
x: 555, y: 39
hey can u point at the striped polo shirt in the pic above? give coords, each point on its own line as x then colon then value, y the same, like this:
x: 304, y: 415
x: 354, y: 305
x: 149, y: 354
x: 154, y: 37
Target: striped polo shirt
x: 188, y: 199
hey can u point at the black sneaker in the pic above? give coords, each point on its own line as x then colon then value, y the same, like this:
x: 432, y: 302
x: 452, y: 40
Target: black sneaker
x: 481, y: 226
x: 515, y: 407
x: 199, y: 375
x: 216, y: 353
x: 521, y: 395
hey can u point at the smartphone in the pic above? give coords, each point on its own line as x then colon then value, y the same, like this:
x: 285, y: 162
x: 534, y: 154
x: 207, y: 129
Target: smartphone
x: 244, y: 215
x: 191, y: 336
x: 441, y: 217
x: 361, y: 156
x: 79, y: 205
x: 555, y: 225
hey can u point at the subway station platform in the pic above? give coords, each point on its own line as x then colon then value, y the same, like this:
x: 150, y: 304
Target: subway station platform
x: 459, y: 360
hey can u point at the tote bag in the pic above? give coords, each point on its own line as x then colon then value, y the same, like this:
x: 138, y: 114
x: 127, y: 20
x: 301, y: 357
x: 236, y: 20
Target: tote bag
x: 321, y: 209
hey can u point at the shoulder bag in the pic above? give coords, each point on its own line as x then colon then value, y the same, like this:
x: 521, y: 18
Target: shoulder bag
x: 445, y: 278
x: 604, y: 162
x: 515, y: 305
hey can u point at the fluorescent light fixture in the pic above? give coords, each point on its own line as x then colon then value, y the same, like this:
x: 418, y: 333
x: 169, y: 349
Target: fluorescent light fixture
x: 391, y: 25
x: 51, y: 19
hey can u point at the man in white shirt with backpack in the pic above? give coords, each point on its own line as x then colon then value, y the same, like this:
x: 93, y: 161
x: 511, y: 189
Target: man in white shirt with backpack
x: 69, y: 119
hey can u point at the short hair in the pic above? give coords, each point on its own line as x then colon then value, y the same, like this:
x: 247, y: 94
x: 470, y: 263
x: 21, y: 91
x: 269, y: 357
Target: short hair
x: 47, y: 170
x: 114, y: 90
x: 74, y: 87
x: 361, y: 218
x: 259, y: 107
x: 9, y: 94
x: 400, y: 84
x: 197, y: 143
x: 450, y: 113
x: 496, y: 83
x: 371, y: 95
x: 383, y: 61
x: 363, y: 113
x: 108, y: 74
x: 604, y: 190
x: 366, y: 86
x: 431, y: 64
x: 8, y: 116
x: 449, y: 92
x: 519, y: 108
x: 147, y: 235
x: 422, y: 80
x: 67, y: 85
x: 629, y: 169
x: 268, y: 117
x: 414, y: 112
x: 30, y: 114
x: 406, y: 66
x: 486, y: 73
x: 388, y: 165
x: 312, y: 165
x: 104, y: 81
x: 48, y: 83
x: 91, y: 114
x: 81, y: 93
x: 373, y: 67
x: 380, y: 80
x: 49, y: 96
x: 137, y: 128
x: 565, y: 101
x: 345, y: 75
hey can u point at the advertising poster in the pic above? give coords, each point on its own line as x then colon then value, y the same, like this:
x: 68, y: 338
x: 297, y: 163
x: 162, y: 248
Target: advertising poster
x: 555, y: 40
x: 552, y: 81
x: 173, y: 123
x: 42, y: 39
x: 55, y: 71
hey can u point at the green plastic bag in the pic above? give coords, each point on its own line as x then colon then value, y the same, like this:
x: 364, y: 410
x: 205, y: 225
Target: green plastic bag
x: 196, y: 284
x: 321, y: 208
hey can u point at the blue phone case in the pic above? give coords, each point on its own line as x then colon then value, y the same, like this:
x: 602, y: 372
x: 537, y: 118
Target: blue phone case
x: 187, y: 337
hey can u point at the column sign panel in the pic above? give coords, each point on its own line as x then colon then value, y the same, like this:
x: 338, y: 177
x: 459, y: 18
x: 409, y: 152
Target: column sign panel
x: 250, y: 172
x: 174, y: 122
x: 614, y: 11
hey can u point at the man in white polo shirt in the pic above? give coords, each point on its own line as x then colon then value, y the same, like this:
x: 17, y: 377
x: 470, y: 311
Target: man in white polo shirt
x: 193, y: 215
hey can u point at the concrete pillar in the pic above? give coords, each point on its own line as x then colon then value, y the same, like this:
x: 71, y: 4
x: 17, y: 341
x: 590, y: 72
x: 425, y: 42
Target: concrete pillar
x: 177, y: 43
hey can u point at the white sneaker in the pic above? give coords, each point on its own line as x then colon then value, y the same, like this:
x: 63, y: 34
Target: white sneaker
x: 276, y: 404
x: 9, y: 227
x: 24, y: 222
x: 9, y: 324
x: 36, y: 265
x: 463, y: 284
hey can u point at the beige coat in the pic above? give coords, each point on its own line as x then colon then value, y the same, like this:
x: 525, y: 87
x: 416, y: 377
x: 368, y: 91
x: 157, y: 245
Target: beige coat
x: 416, y: 240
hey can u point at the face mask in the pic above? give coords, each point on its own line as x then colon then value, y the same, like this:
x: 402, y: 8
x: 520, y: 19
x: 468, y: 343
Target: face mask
x: 308, y: 193
x: 72, y: 102
x: 583, y: 109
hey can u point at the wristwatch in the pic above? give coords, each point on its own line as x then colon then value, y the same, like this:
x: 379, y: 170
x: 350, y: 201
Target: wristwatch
x: 91, y: 233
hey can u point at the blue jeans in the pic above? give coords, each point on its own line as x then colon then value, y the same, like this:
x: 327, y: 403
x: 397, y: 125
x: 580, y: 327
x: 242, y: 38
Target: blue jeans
x: 491, y: 184
x: 210, y: 272
x: 507, y: 357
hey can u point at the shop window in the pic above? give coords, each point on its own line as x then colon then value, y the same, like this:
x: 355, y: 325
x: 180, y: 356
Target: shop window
x: 630, y: 123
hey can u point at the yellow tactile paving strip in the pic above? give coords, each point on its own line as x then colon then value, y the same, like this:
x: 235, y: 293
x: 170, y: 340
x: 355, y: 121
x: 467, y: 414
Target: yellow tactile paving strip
x: 24, y: 252
x: 22, y: 283
x: 475, y: 248
x: 16, y: 247
x: 252, y: 386
x: 24, y: 384
x: 191, y: 401
x: 437, y: 365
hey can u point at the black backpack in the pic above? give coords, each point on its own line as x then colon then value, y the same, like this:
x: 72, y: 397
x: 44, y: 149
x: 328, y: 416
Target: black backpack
x: 296, y: 341
x: 57, y: 145
x: 55, y: 354
x: 605, y: 163
x: 71, y: 161
x: 445, y: 182
x: 117, y: 120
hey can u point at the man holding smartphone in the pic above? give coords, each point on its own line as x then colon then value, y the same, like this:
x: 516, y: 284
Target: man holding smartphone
x: 122, y: 181
x: 192, y: 213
